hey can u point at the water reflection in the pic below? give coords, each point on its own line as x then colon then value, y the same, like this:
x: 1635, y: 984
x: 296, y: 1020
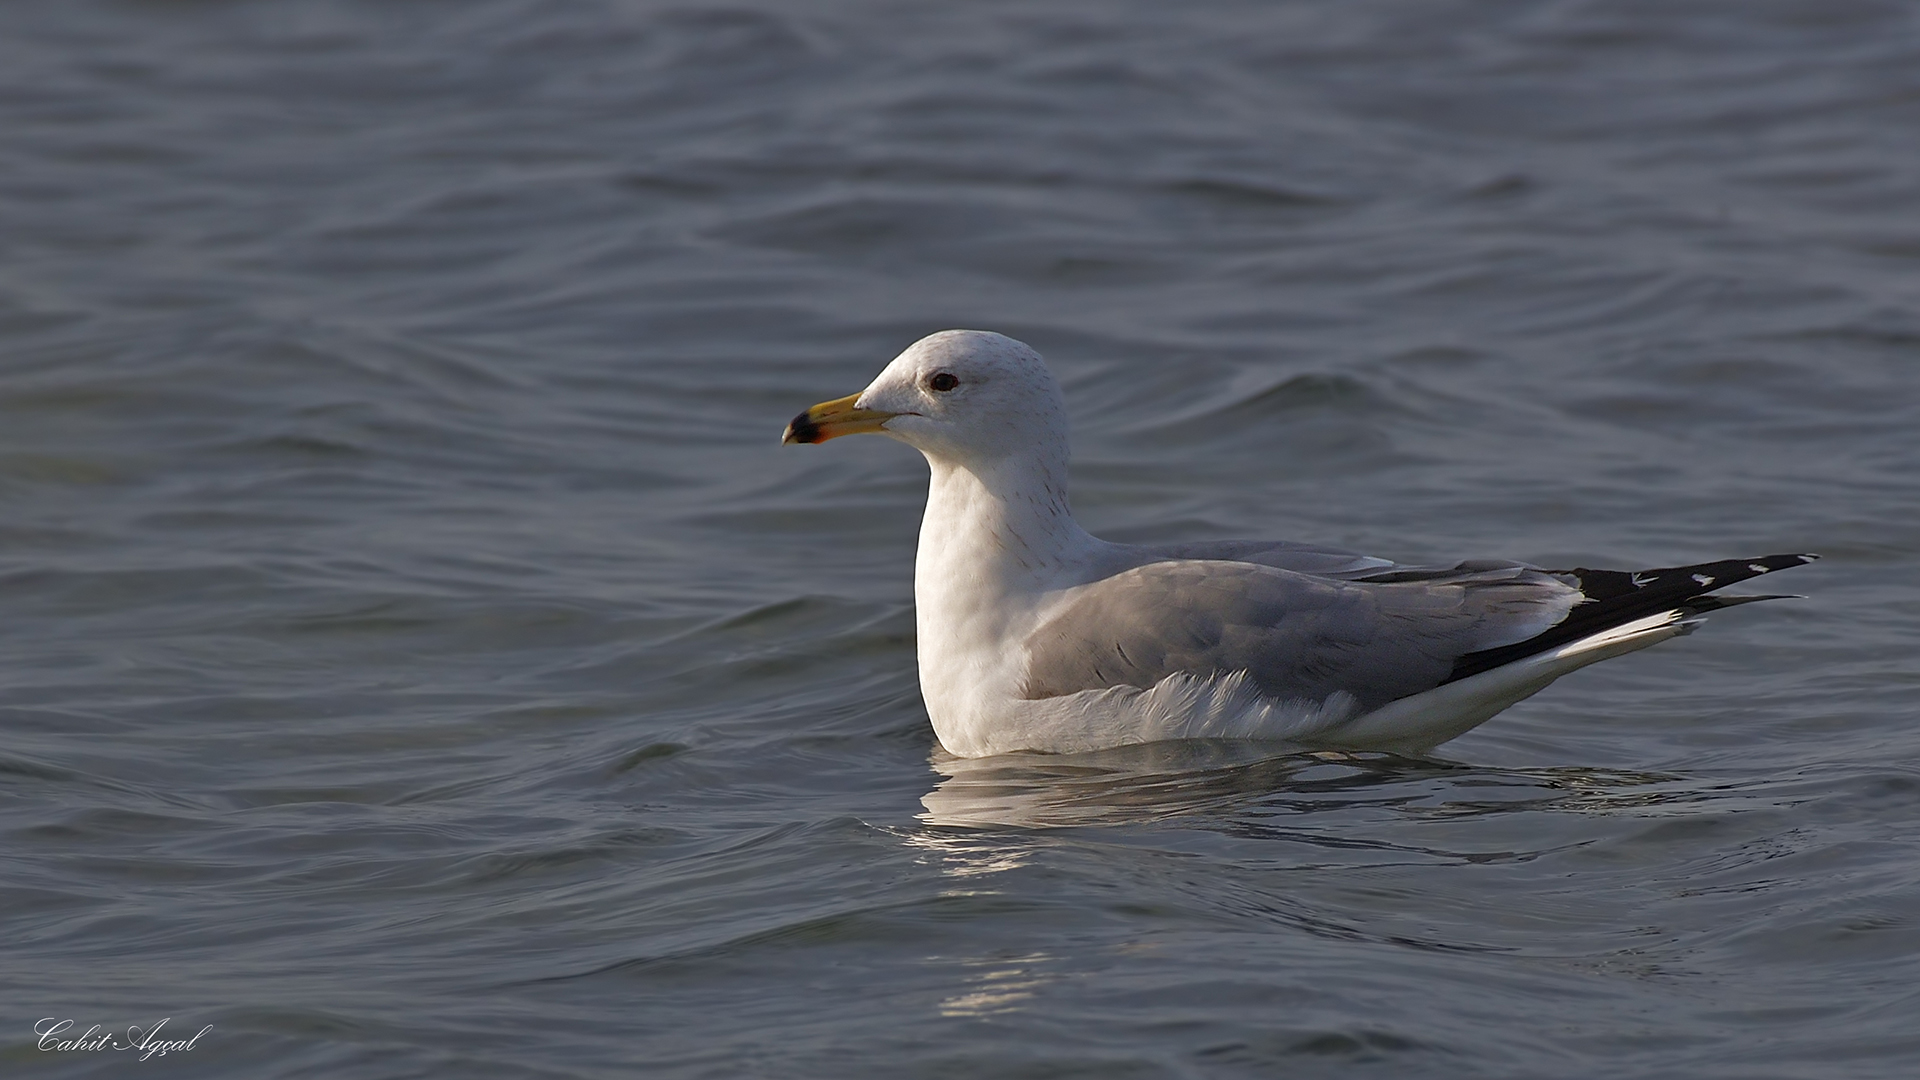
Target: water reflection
x: 1242, y: 786
x: 1138, y: 783
x: 969, y: 854
x: 1003, y: 986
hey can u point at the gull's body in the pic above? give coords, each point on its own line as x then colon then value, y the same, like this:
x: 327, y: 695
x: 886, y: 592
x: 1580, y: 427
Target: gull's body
x: 1035, y: 635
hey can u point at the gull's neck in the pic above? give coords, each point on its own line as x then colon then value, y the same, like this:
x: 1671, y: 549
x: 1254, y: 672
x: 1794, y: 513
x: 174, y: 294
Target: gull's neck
x: 996, y: 539
x: 1002, y: 527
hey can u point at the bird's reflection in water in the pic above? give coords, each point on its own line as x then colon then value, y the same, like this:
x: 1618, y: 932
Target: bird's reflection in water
x: 1156, y: 781
x: 992, y: 985
x: 989, y: 817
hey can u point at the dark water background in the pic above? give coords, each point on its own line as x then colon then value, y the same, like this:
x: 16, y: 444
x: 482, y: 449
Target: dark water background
x: 418, y: 659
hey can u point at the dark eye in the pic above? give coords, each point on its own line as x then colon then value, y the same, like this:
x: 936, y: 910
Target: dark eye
x: 943, y: 382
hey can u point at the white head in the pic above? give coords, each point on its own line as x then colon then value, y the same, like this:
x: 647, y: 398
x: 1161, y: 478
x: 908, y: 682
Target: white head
x: 963, y: 397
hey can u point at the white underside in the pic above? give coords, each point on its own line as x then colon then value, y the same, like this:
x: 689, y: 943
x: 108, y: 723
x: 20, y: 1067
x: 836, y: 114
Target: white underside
x: 1185, y: 706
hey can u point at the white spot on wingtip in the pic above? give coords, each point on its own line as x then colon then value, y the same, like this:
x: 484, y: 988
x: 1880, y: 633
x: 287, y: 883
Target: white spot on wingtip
x: 1641, y: 581
x: 1756, y: 568
x: 1703, y: 579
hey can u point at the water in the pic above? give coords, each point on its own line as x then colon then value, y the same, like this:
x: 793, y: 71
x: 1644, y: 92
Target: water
x: 421, y: 660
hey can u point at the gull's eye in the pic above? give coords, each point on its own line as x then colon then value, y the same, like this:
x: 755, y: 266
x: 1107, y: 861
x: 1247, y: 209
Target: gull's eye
x: 943, y: 382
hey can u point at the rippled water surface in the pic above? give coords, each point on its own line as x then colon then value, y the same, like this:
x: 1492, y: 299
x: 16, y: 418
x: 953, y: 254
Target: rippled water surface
x: 419, y: 659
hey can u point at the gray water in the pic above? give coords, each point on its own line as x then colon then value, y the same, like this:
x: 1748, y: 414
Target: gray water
x: 418, y: 658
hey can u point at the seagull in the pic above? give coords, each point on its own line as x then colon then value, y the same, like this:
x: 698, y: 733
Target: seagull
x: 1034, y: 635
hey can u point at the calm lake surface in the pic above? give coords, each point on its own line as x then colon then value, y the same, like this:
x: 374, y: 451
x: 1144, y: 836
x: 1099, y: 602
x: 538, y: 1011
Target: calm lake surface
x: 418, y: 658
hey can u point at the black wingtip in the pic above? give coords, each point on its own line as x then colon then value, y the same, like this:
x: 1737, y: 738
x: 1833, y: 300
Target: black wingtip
x: 1615, y: 597
x: 1700, y: 605
x: 1767, y: 564
x: 1682, y: 581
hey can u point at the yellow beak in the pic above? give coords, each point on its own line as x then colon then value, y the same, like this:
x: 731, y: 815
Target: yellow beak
x: 832, y: 419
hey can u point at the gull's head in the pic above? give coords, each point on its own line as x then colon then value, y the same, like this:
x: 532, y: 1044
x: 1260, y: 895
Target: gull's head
x: 966, y: 396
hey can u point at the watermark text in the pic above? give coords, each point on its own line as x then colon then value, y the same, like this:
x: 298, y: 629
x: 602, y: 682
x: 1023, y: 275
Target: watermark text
x: 58, y: 1036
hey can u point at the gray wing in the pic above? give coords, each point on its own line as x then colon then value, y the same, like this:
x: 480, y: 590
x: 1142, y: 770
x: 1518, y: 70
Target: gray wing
x: 1281, y: 554
x: 1315, y: 560
x: 1297, y: 636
